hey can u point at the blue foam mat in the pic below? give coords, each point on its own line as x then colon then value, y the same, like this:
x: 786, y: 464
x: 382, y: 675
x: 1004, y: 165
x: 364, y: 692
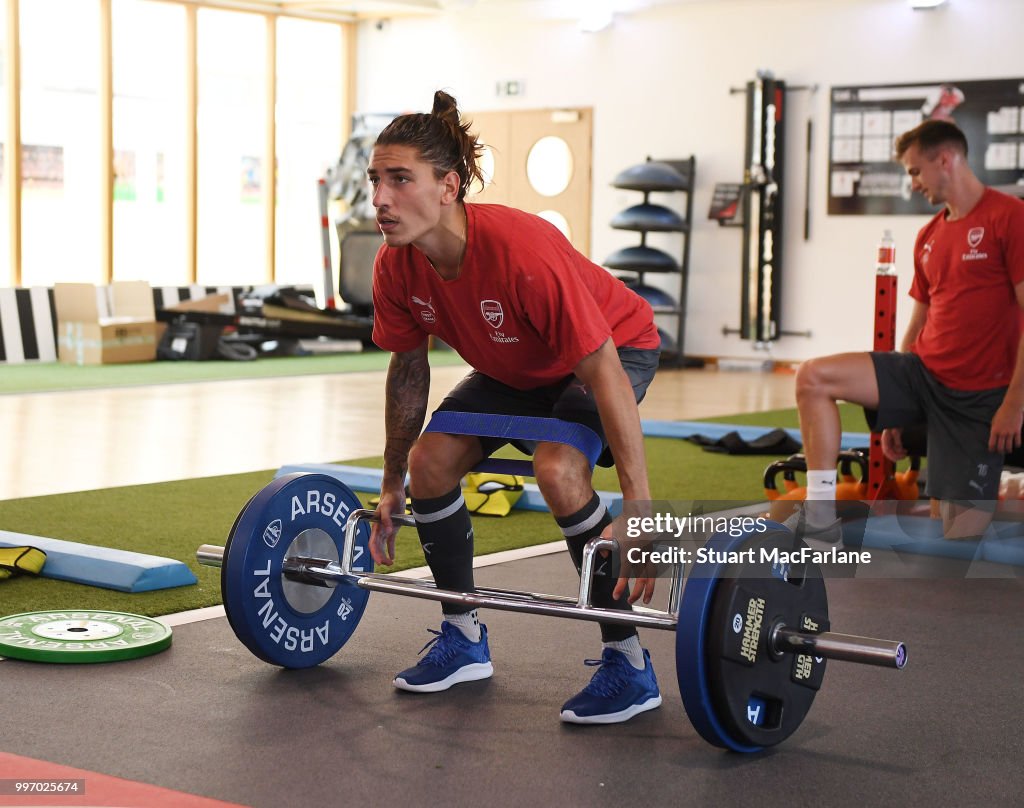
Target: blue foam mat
x: 359, y: 478
x: 684, y: 429
x: 122, y: 570
x: 916, y: 534
x: 1003, y: 542
x: 1008, y: 550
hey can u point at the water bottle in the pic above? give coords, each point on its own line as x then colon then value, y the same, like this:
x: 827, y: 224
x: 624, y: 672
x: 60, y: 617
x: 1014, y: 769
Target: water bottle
x: 886, y: 264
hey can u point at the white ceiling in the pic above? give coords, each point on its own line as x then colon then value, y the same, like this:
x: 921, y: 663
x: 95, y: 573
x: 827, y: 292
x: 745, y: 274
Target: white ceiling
x: 374, y: 9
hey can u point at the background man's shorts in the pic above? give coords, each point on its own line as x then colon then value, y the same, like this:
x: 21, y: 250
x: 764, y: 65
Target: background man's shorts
x: 960, y: 466
x: 568, y: 399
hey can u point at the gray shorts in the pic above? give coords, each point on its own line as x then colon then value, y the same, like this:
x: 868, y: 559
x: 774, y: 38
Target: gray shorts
x: 567, y: 399
x: 960, y: 465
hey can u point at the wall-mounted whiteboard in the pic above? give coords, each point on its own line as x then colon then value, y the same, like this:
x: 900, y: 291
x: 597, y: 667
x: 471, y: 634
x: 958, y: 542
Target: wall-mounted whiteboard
x: 864, y: 177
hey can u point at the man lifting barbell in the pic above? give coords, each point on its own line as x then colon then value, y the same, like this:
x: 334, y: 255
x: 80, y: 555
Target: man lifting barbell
x: 548, y: 333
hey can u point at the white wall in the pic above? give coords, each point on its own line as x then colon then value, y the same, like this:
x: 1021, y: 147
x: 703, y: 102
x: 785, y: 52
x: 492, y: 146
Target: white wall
x: 659, y: 83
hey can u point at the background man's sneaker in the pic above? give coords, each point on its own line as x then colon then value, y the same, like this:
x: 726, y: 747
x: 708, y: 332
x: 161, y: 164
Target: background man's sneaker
x: 617, y: 692
x: 452, y: 658
x: 817, y: 538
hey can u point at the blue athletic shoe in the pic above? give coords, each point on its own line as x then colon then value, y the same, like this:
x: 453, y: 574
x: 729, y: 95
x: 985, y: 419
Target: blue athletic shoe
x: 452, y: 659
x: 617, y: 692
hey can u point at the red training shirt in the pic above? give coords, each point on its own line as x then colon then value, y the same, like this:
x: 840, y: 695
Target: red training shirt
x: 525, y: 308
x: 966, y: 271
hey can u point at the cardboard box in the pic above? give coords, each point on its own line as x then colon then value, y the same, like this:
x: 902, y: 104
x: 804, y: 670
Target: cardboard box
x: 104, y: 325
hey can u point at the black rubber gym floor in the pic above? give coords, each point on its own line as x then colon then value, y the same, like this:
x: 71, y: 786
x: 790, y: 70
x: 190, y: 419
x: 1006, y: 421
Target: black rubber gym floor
x: 207, y: 717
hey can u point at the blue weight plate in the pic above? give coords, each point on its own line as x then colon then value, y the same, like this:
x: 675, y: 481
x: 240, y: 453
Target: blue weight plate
x: 283, y: 622
x: 224, y: 586
x: 761, y: 698
x: 738, y: 693
x: 691, y: 651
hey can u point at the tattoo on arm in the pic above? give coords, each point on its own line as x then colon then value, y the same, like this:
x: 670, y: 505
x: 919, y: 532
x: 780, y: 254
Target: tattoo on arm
x: 405, y: 407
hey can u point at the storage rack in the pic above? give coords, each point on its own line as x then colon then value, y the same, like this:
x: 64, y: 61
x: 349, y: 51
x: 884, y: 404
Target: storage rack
x: 657, y: 176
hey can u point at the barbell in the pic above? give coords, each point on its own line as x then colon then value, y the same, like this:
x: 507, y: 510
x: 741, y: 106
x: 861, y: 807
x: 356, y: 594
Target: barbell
x: 752, y: 633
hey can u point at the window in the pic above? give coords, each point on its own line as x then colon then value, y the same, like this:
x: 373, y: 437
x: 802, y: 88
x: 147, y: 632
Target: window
x: 149, y: 142
x: 61, y: 163
x: 5, y: 258
x: 549, y: 166
x: 65, y: 173
x: 231, y: 238
x: 308, y: 143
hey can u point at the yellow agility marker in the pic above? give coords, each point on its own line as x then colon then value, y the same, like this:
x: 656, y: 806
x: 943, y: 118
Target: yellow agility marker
x: 490, y: 494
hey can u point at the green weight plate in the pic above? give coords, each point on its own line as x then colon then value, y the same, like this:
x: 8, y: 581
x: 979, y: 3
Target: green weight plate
x: 81, y: 636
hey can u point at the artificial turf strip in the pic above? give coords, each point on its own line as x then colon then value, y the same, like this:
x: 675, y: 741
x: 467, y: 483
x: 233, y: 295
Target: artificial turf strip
x: 173, y: 519
x: 852, y: 417
x: 36, y: 377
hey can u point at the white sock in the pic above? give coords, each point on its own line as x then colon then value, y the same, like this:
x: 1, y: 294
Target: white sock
x: 468, y: 624
x: 821, y: 497
x: 631, y: 648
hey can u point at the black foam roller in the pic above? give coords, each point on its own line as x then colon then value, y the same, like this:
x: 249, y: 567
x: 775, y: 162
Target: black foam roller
x: 648, y: 218
x: 651, y: 176
x: 658, y: 298
x: 641, y: 259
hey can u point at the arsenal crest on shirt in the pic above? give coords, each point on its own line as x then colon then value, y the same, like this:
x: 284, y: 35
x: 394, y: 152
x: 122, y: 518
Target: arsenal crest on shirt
x: 492, y: 312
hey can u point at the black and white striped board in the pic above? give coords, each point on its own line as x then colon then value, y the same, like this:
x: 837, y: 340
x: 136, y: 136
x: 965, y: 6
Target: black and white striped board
x: 166, y: 296
x: 28, y: 325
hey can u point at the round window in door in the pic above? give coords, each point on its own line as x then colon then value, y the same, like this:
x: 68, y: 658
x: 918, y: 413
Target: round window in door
x: 549, y: 166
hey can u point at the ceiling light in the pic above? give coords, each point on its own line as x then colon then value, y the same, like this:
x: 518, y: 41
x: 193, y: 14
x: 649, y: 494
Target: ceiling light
x: 925, y: 4
x: 596, y: 17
